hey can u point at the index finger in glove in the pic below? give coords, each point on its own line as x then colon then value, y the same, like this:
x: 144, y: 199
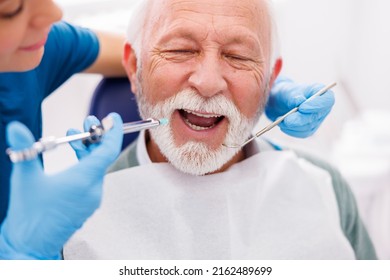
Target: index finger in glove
x: 88, y: 123
x: 312, y: 89
x: 317, y: 104
x: 303, y: 122
x: 108, y: 149
x: 80, y: 149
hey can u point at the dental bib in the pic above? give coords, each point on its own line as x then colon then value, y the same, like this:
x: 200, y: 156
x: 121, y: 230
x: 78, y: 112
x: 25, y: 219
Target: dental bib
x: 272, y: 205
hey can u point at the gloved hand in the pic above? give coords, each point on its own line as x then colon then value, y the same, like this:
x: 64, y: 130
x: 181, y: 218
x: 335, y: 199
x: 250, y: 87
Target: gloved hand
x: 45, y: 210
x: 80, y: 149
x: 285, y: 95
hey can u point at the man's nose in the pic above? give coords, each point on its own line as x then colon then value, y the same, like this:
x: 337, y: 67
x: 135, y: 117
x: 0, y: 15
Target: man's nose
x: 46, y: 14
x: 208, y: 78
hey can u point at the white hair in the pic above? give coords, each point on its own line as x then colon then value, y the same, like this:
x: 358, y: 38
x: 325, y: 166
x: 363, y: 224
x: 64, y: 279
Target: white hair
x: 135, y: 30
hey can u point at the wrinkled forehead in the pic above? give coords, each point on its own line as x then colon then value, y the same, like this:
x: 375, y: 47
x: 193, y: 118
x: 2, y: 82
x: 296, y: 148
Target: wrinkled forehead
x: 250, y: 14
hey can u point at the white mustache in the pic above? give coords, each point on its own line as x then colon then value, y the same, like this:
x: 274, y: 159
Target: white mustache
x: 190, y: 100
x: 196, y: 157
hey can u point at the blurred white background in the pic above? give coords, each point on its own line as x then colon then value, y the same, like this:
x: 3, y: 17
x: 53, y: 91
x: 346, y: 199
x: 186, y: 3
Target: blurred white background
x: 346, y: 41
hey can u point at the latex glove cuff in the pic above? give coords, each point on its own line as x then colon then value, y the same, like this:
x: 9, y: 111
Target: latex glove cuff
x: 7, y: 252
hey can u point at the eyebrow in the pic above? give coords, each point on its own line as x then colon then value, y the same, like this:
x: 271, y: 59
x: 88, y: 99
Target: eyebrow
x: 178, y: 33
x: 243, y: 39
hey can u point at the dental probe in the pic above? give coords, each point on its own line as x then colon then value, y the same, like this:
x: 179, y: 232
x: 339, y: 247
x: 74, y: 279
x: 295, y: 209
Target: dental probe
x: 94, y: 135
x: 279, y: 120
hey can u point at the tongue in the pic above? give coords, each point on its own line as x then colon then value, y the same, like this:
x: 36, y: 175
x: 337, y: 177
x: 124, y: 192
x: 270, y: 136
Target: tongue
x: 199, y: 121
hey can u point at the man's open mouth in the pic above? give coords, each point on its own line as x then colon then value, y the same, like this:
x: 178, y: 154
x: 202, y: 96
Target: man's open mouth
x: 200, y: 121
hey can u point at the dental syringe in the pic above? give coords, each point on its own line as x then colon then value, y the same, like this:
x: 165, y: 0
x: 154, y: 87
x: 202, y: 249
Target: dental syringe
x: 94, y: 135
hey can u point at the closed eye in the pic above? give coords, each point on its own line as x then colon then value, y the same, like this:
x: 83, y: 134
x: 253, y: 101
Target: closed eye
x: 242, y: 62
x: 237, y: 57
x: 14, y: 12
x: 178, y: 55
x: 181, y: 51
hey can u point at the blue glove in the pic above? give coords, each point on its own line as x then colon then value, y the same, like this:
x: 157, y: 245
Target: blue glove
x: 45, y: 210
x: 286, y: 95
x: 80, y: 149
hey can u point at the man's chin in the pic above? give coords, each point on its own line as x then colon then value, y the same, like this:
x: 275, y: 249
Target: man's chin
x: 197, y: 159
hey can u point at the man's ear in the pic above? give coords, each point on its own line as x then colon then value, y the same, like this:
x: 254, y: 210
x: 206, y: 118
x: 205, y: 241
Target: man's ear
x: 275, y: 71
x: 129, y: 62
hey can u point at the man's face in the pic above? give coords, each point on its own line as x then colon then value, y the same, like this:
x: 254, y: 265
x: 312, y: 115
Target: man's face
x: 204, y: 65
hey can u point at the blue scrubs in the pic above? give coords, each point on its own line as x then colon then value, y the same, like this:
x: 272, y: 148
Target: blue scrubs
x: 68, y: 50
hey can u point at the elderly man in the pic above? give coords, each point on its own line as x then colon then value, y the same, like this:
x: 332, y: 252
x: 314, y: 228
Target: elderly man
x: 208, y: 66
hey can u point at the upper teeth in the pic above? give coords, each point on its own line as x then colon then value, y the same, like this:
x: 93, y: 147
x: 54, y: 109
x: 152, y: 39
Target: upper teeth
x: 202, y: 115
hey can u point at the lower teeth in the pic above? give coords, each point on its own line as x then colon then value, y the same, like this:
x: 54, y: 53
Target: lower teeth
x: 199, y: 128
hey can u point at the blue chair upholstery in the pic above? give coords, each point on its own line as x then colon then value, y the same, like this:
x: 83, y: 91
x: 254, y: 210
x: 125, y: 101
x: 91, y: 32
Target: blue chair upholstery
x: 114, y: 95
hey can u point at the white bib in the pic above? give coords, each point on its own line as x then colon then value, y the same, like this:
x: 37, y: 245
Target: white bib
x: 272, y: 205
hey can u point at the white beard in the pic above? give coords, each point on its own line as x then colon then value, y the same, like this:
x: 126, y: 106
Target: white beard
x: 193, y: 157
